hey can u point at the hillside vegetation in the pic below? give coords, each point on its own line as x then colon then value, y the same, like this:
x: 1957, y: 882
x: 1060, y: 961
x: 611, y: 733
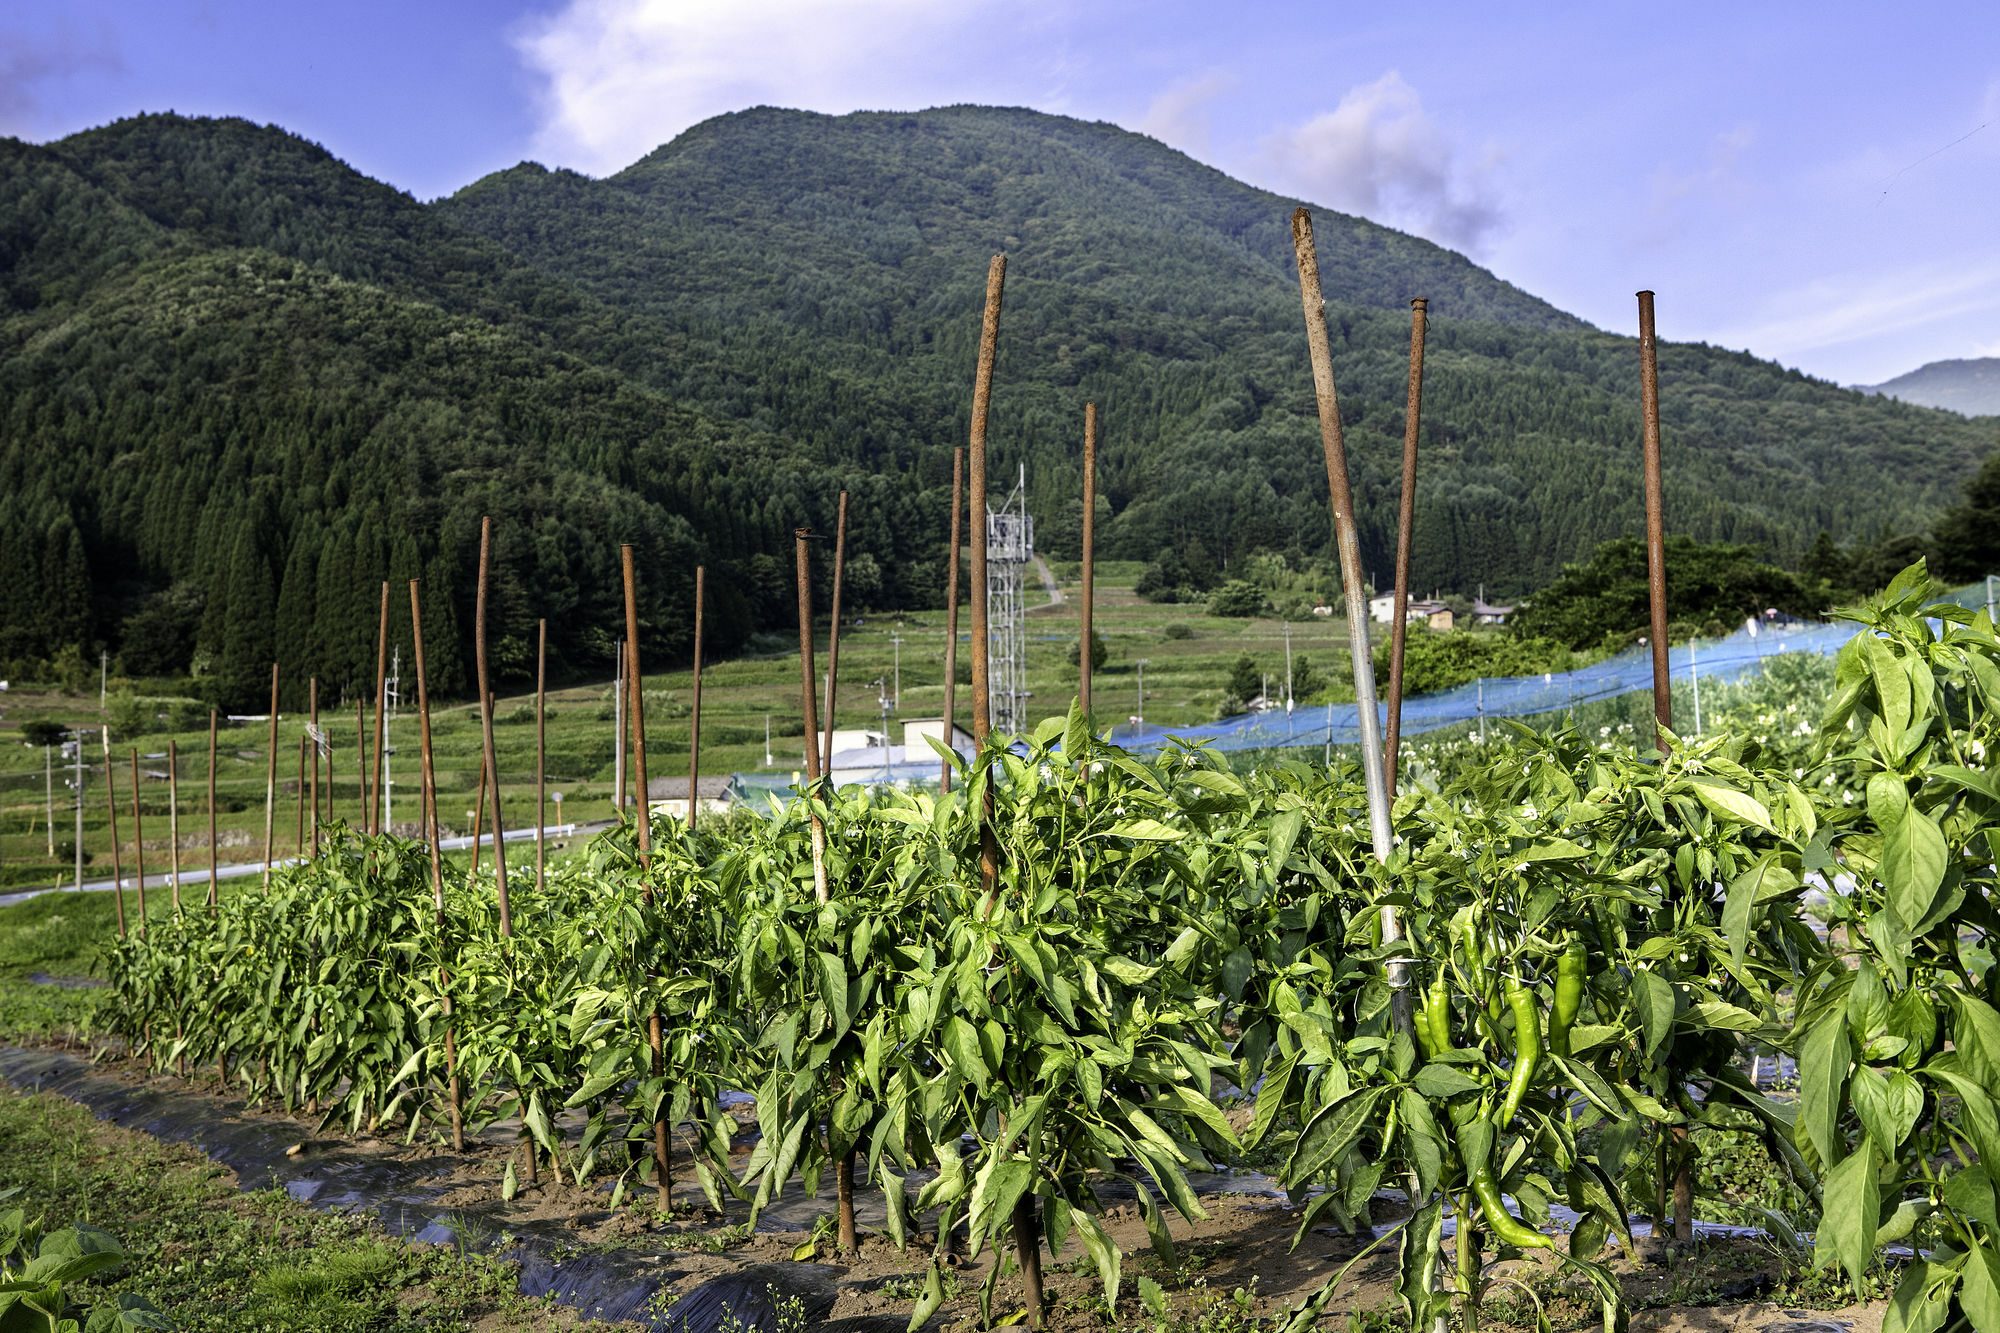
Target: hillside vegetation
x: 241, y: 384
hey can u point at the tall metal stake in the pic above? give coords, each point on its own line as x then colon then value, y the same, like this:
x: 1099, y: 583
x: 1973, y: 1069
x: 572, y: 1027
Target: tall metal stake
x: 663, y: 1179
x: 833, y: 633
x: 982, y: 723
x: 694, y: 721
x: 1348, y: 541
x: 427, y: 815
x: 381, y: 699
x: 541, y: 750
x: 213, y: 850
x: 138, y: 842
x: 489, y: 752
x: 312, y: 697
x: 951, y: 615
x: 174, y: 819
x: 1405, y: 525
x: 801, y: 536
x: 111, y: 803
x: 271, y: 780
x: 1089, y: 554
x: 1656, y: 523
x: 299, y: 839
x: 361, y: 762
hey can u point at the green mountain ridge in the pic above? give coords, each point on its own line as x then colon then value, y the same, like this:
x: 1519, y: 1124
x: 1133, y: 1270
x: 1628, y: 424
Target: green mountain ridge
x: 1968, y: 385
x: 235, y: 373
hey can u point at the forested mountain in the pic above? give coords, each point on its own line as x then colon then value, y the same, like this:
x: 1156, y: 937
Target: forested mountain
x: 1971, y: 386
x: 240, y: 384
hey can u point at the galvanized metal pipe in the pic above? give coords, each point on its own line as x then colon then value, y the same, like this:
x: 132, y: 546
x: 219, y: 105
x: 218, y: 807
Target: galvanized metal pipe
x: 381, y: 697
x: 833, y: 634
x: 1089, y: 553
x: 1656, y: 523
x: 635, y: 709
x: 271, y: 772
x: 1405, y: 526
x: 111, y: 802
x: 1346, y: 539
x: 489, y: 752
x: 694, y: 721
x: 951, y: 612
x: 803, y: 556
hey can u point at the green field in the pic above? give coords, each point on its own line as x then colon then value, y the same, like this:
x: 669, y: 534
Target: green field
x: 1185, y: 681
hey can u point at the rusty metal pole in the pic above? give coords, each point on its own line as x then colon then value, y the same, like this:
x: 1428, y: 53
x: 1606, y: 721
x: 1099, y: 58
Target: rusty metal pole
x: 541, y: 750
x: 982, y: 397
x: 271, y: 781
x: 111, y: 803
x: 490, y: 753
x: 833, y: 634
x: 1347, y: 539
x: 1656, y: 523
x: 694, y: 720
x: 802, y: 553
x: 635, y: 709
x: 1089, y: 553
x: 381, y: 698
x: 174, y: 820
x: 951, y: 614
x: 1406, y: 519
x: 213, y: 850
x: 138, y: 842
x: 427, y: 816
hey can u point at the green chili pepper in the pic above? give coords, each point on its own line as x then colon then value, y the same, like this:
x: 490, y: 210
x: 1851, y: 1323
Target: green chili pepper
x: 1571, y: 972
x: 1527, y: 1049
x: 1425, y: 1037
x: 1437, y: 1010
x: 1506, y: 1228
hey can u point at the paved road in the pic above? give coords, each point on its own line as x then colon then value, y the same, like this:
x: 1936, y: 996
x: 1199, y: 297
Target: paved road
x: 237, y: 870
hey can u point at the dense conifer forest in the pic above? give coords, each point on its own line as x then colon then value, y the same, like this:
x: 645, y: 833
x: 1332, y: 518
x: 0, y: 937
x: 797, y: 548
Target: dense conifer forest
x: 241, y: 384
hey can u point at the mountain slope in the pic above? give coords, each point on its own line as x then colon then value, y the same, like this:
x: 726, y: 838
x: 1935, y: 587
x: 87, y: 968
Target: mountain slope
x: 1969, y: 386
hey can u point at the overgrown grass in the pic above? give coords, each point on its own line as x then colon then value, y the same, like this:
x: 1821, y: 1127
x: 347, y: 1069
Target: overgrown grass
x: 219, y: 1260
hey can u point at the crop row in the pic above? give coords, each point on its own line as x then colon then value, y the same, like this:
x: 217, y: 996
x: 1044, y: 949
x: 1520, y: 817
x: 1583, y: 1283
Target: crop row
x: 1586, y: 944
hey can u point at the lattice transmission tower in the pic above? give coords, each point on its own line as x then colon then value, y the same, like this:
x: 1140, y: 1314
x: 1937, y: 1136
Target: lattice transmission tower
x: 1010, y: 546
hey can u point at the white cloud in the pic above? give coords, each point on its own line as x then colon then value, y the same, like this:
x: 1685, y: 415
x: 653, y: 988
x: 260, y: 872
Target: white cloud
x: 28, y: 61
x: 624, y: 76
x: 1179, y: 118
x: 1842, y: 310
x: 1381, y: 154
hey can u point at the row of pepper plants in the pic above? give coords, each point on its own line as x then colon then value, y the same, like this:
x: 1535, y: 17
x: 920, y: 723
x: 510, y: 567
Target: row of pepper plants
x: 1590, y: 940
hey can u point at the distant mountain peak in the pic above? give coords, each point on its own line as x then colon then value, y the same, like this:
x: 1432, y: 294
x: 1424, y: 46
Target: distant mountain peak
x: 1969, y: 385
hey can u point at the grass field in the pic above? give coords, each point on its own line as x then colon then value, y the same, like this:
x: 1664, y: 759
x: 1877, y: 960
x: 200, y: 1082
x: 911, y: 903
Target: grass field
x: 1188, y: 655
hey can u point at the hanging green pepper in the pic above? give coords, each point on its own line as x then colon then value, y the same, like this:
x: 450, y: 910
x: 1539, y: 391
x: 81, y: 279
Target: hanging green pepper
x: 1504, y: 1226
x: 1527, y: 1049
x: 1571, y: 972
x: 1438, y: 1009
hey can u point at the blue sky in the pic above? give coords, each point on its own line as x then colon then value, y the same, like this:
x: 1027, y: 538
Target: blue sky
x: 1819, y: 183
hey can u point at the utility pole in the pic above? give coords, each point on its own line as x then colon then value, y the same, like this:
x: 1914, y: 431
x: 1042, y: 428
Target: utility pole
x: 767, y: 741
x: 882, y: 697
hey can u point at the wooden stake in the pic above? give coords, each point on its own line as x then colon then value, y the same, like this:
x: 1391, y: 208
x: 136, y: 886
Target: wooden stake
x: 833, y: 633
x: 1656, y: 522
x: 694, y: 722
x: 271, y: 782
x: 951, y: 613
x: 111, y: 802
x: 381, y: 698
x: 486, y: 725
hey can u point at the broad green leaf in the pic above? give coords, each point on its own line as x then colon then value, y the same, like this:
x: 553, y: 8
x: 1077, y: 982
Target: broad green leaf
x: 1145, y: 830
x: 1979, y: 1290
x: 1888, y: 1107
x: 1330, y: 1134
x: 1734, y: 806
x: 1824, y: 1060
x: 1713, y: 1015
x: 1922, y: 1299
x: 1655, y: 1001
x: 1852, y: 1199
x: 1913, y: 865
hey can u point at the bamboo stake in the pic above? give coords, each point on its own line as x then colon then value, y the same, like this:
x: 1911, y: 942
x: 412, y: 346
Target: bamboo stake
x: 174, y: 819
x: 1348, y: 541
x: 541, y: 749
x: 694, y: 722
x: 486, y: 724
x: 951, y: 614
x: 1089, y: 554
x: 1405, y: 526
x: 663, y: 1163
x: 213, y: 850
x: 111, y: 801
x: 139, y: 842
x: 271, y: 782
x: 381, y: 698
x: 428, y: 815
x: 982, y: 396
x: 833, y: 634
x: 800, y: 536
